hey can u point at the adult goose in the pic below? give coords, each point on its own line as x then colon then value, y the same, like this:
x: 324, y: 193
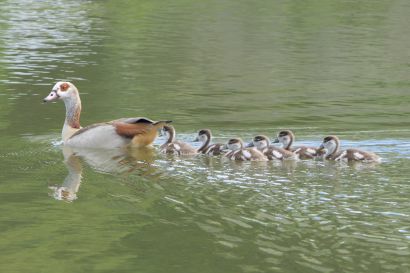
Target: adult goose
x: 205, y: 136
x: 173, y: 146
x: 137, y: 132
x: 332, y: 144
x: 237, y: 151
x: 287, y: 137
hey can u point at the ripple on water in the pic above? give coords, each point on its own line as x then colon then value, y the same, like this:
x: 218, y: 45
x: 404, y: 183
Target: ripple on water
x: 31, y: 49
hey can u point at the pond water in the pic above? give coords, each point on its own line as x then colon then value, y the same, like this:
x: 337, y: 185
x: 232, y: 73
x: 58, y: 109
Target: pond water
x: 239, y: 68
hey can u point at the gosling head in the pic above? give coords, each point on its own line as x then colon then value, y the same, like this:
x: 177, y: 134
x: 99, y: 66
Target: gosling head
x: 331, y: 144
x: 235, y: 144
x: 203, y: 135
x: 285, y: 137
x: 168, y: 131
x: 63, y: 91
x: 260, y: 142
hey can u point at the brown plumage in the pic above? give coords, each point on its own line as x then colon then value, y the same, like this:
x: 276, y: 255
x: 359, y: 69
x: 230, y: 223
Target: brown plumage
x: 176, y: 147
x: 287, y: 137
x: 205, y: 136
x: 332, y: 144
x: 262, y: 143
x: 239, y: 153
x: 142, y: 131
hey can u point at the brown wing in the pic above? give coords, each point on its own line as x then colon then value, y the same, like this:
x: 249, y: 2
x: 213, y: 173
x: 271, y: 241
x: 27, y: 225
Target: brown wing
x: 129, y: 130
x: 305, y: 152
x: 84, y: 129
x: 359, y: 155
x: 214, y: 149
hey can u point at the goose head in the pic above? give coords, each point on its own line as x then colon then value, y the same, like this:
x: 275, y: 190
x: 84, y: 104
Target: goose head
x: 62, y: 91
x: 235, y: 144
x: 286, y: 138
x: 260, y: 142
x: 330, y: 144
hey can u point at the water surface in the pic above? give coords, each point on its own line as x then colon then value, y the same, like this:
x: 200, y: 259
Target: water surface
x: 239, y: 68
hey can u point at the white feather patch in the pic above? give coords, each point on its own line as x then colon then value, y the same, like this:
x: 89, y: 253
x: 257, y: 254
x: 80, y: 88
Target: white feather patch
x: 177, y: 147
x: 277, y: 154
x: 311, y: 151
x: 341, y: 156
x: 247, y: 154
x: 358, y: 156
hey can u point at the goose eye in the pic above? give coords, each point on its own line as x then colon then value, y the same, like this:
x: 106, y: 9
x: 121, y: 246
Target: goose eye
x: 64, y: 86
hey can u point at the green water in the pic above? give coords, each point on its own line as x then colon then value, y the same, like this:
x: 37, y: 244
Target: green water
x: 240, y: 68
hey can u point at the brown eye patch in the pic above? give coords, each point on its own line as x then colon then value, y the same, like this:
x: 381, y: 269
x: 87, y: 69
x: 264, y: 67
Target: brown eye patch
x: 283, y: 133
x: 64, y: 86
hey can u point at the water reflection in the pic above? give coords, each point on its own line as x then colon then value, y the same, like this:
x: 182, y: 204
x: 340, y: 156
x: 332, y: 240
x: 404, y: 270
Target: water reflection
x: 114, y: 161
x: 68, y: 190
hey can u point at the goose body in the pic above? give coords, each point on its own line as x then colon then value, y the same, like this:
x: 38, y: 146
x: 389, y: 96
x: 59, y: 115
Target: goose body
x: 287, y: 137
x: 137, y: 132
x: 262, y: 143
x: 239, y: 153
x: 332, y: 143
x: 205, y: 136
x: 176, y: 147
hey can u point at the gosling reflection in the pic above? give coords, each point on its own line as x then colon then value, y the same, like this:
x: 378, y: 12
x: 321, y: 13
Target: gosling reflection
x: 106, y: 161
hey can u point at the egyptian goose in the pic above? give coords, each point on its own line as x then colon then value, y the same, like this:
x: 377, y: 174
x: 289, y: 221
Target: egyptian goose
x: 176, y: 147
x: 332, y: 144
x: 237, y: 151
x: 262, y: 143
x: 205, y: 136
x: 287, y: 137
x: 136, y: 132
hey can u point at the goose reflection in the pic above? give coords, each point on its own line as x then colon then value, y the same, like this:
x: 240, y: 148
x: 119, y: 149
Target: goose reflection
x: 106, y: 161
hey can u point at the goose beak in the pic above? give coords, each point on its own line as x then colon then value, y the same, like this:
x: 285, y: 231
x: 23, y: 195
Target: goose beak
x: 276, y: 140
x: 52, y: 96
x: 250, y: 144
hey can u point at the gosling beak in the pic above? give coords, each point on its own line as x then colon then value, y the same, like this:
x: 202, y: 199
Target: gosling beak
x: 276, y: 140
x: 196, y: 139
x: 321, y: 148
x: 250, y: 144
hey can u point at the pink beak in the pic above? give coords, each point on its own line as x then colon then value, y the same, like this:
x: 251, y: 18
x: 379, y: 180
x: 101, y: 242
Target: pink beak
x: 51, y: 97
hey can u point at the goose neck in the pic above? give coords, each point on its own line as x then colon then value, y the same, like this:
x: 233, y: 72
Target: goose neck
x: 73, y: 111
